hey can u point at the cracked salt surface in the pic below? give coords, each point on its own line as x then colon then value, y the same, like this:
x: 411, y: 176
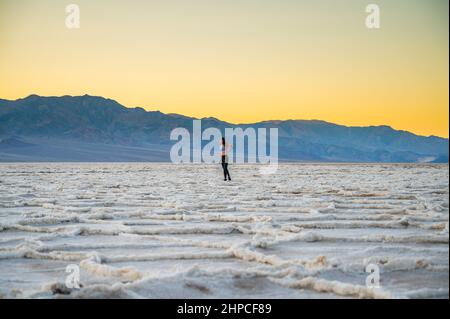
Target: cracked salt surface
x: 179, y: 231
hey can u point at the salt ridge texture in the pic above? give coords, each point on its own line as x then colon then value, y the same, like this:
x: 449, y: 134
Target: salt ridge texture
x: 179, y: 231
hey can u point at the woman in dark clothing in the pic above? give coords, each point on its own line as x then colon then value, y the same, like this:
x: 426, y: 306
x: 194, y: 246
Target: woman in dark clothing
x: 224, y: 153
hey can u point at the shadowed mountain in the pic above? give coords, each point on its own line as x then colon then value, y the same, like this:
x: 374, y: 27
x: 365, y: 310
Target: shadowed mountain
x: 89, y: 128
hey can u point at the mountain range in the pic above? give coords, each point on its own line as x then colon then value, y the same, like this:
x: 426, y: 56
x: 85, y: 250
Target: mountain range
x: 90, y: 128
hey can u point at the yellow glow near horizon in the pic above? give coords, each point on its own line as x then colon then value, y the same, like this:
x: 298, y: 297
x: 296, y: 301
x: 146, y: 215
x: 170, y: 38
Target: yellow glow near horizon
x: 238, y: 60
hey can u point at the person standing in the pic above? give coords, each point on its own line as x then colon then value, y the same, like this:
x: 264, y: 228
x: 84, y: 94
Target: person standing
x: 224, y: 147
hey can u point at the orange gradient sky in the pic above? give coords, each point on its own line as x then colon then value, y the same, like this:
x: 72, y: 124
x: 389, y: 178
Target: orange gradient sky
x: 238, y: 60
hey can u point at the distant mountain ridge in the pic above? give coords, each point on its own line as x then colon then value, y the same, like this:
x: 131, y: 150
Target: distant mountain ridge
x: 90, y: 128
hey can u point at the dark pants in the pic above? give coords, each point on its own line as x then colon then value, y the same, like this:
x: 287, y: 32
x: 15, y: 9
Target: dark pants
x: 226, y: 173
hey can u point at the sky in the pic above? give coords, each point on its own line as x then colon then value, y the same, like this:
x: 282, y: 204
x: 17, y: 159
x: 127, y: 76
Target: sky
x: 241, y: 61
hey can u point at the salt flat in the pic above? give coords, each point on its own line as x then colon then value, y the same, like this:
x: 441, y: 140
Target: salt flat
x: 180, y: 231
